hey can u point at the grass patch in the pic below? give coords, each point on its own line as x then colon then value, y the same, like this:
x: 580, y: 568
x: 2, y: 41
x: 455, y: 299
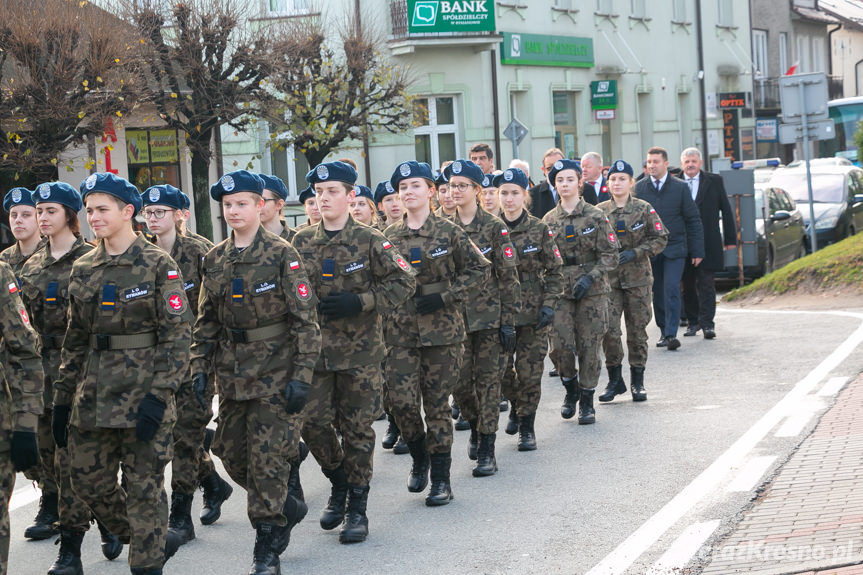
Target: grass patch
x: 839, y: 265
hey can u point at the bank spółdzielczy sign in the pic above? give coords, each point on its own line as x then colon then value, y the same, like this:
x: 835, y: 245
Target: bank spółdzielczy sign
x: 544, y: 50
x: 603, y: 95
x: 431, y: 16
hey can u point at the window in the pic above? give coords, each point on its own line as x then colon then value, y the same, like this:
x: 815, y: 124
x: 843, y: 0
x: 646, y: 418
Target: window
x: 726, y: 15
x: 679, y: 8
x: 286, y: 7
x: 153, y: 157
x: 818, y: 55
x: 638, y: 9
x: 783, y: 52
x: 759, y: 53
x: 563, y: 108
x: 803, y: 55
x: 435, y: 139
x: 603, y: 6
x: 563, y: 4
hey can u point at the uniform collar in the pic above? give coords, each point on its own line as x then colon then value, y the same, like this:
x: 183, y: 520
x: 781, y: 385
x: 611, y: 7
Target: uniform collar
x: 127, y: 258
x: 321, y: 236
x: 235, y: 255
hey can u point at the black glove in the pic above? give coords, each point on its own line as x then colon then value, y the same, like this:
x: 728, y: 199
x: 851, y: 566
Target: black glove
x: 546, y: 316
x: 340, y: 305
x: 25, y: 450
x: 507, y: 338
x: 427, y: 304
x: 199, y: 386
x: 296, y: 394
x: 150, y: 414
x: 625, y: 257
x: 60, y: 424
x: 582, y: 286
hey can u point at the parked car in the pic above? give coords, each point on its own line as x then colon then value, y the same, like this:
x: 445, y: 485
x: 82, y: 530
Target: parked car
x: 837, y: 192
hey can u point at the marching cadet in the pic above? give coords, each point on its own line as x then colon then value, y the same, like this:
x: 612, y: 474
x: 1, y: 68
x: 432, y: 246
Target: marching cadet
x: 125, y: 353
x: 191, y: 465
x: 640, y: 236
x: 275, y: 194
x: 539, y: 272
x: 257, y: 326
x: 362, y: 208
x: 187, y: 216
x: 387, y: 199
x: 489, y: 199
x: 425, y: 333
x: 489, y: 317
x: 20, y: 399
x: 310, y: 206
x: 45, y: 292
x: 446, y: 206
x: 589, y: 249
x: 357, y: 277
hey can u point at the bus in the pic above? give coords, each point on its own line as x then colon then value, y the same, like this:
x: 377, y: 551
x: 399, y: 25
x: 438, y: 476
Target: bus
x: 846, y: 114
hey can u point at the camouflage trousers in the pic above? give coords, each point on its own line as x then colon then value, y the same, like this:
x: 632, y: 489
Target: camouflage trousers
x: 7, y: 484
x: 478, y: 387
x: 522, y: 378
x: 254, y: 440
x: 420, y: 381
x: 191, y: 462
x: 43, y: 472
x: 349, y: 400
x: 579, y: 327
x: 140, y: 514
x: 635, y: 306
x: 74, y: 513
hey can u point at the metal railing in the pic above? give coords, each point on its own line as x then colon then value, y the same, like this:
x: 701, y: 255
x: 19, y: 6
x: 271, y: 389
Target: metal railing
x: 766, y: 91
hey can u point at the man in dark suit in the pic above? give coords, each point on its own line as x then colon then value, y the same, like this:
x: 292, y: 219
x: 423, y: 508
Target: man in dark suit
x: 699, y: 290
x: 595, y: 188
x: 671, y: 199
x: 543, y: 198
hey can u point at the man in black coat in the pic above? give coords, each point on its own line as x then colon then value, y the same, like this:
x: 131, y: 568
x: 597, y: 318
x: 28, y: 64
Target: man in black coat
x: 543, y: 198
x: 595, y: 188
x: 699, y: 290
x: 671, y: 199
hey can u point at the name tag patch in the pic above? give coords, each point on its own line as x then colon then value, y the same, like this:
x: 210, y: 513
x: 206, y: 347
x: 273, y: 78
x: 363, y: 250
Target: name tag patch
x: 136, y: 292
x: 354, y: 266
x: 264, y: 287
x: 438, y: 252
x: 588, y: 230
x: 188, y: 285
x: 637, y: 226
x: 485, y: 250
x: 529, y: 249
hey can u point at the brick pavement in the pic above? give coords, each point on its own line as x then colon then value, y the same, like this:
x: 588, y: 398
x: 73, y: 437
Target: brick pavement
x: 810, y: 518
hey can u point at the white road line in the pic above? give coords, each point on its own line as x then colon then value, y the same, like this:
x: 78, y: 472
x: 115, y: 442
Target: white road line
x: 751, y: 473
x: 833, y: 386
x: 683, y: 548
x: 651, y: 530
x: 794, y: 424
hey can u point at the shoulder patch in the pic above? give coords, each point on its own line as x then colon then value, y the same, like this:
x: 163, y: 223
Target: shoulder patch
x: 557, y: 253
x: 611, y: 237
x: 173, y: 275
x: 302, y: 289
x: 295, y: 265
x: 177, y: 304
x: 658, y: 226
x: 24, y: 317
x: 13, y: 287
x: 504, y: 232
x: 387, y: 245
x: 508, y: 252
x: 402, y: 263
x: 550, y: 234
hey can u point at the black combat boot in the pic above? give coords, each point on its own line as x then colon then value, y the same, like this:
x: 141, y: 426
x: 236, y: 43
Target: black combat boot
x: 472, y: 443
x: 146, y: 570
x: 294, y: 511
x: 440, y: 492
x: 216, y: 492
x: 615, y: 386
x: 419, y: 476
x: 637, y: 374
x: 111, y: 544
x: 586, y: 414
x: 454, y: 409
x: 486, y: 464
x: 46, y: 517
x: 265, y: 560
x: 567, y: 409
x: 334, y: 513
x: 356, y: 527
x: 69, y: 559
x: 526, y: 435
x: 180, y: 527
x: 504, y: 404
x: 295, y: 488
x: 512, y: 422
x: 401, y: 446
x: 391, y: 435
x: 461, y: 424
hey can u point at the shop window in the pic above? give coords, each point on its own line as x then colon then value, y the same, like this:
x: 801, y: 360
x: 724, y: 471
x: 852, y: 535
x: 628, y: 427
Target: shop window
x: 563, y: 108
x: 153, y: 158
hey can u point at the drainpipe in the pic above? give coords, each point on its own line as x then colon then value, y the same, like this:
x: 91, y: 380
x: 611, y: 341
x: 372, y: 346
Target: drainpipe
x: 495, y: 107
x: 830, y: 55
x: 701, y: 80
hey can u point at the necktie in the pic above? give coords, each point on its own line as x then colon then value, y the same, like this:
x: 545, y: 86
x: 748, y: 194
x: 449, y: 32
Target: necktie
x: 656, y: 183
x: 592, y: 184
x: 691, y: 182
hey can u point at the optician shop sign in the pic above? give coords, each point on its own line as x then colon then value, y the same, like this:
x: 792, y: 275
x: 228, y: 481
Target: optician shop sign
x: 544, y: 50
x: 428, y: 16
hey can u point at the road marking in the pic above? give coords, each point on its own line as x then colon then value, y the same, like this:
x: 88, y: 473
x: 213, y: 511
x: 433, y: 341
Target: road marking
x: 683, y: 548
x: 751, y: 473
x: 794, y: 424
x: 651, y: 530
x: 833, y: 386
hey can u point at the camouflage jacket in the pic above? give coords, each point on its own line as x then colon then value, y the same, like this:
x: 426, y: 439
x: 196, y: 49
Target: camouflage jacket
x: 264, y: 285
x: 189, y: 254
x: 45, y: 291
x: 587, y: 245
x: 137, y: 294
x: 16, y: 260
x: 446, y: 262
x: 21, y: 396
x: 497, y: 301
x: 637, y: 227
x: 539, y: 267
x: 288, y: 233
x: 360, y: 260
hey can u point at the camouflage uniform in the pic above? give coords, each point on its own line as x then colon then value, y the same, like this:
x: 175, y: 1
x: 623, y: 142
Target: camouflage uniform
x: 16, y: 260
x: 539, y: 272
x: 128, y: 336
x: 638, y: 228
x: 494, y: 303
x: 45, y: 291
x: 251, y: 300
x: 21, y: 397
x: 587, y: 245
x: 288, y: 234
x: 347, y: 386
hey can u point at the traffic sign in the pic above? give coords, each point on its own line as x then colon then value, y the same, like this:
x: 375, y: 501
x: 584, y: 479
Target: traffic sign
x: 811, y: 101
x: 515, y: 131
x: 793, y: 133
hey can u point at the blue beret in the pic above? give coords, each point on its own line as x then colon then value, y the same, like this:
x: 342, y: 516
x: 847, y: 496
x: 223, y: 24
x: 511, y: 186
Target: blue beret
x: 466, y: 169
x: 163, y: 195
x: 440, y: 179
x: 306, y: 194
x: 512, y: 176
x: 18, y: 197
x: 363, y: 192
x: 332, y: 172
x: 187, y: 203
x: 411, y: 169
x: 235, y: 182
x: 275, y: 184
x: 113, y: 185
x: 620, y: 167
x: 561, y: 165
x: 383, y: 190
x: 488, y: 181
x: 58, y: 193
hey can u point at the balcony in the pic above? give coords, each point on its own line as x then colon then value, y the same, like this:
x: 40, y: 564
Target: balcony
x: 766, y: 91
x: 403, y: 41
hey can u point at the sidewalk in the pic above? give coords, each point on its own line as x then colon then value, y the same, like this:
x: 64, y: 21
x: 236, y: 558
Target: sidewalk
x: 810, y: 518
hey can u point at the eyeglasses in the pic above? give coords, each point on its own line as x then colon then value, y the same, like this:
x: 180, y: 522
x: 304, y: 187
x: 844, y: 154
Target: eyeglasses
x: 271, y: 200
x: 157, y: 214
x: 461, y: 187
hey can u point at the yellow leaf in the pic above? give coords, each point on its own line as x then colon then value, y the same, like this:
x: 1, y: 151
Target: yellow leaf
x: 53, y: 161
x: 98, y: 78
x: 174, y: 95
x: 85, y: 83
x: 81, y: 115
x: 116, y: 60
x: 119, y: 114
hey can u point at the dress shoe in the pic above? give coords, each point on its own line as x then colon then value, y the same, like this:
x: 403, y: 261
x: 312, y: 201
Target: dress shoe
x: 684, y: 323
x: 709, y: 333
x: 691, y: 330
x: 662, y: 342
x: 461, y: 424
x: 553, y: 373
x: 672, y: 343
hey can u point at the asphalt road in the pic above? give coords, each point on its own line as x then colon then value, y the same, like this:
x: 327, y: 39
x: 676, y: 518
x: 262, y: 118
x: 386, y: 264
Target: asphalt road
x: 654, y: 469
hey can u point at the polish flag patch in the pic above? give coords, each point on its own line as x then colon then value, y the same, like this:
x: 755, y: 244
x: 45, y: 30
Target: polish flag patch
x: 387, y: 245
x: 504, y: 232
x: 13, y: 287
x: 295, y: 265
x: 652, y: 211
x: 173, y: 275
x: 550, y: 234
